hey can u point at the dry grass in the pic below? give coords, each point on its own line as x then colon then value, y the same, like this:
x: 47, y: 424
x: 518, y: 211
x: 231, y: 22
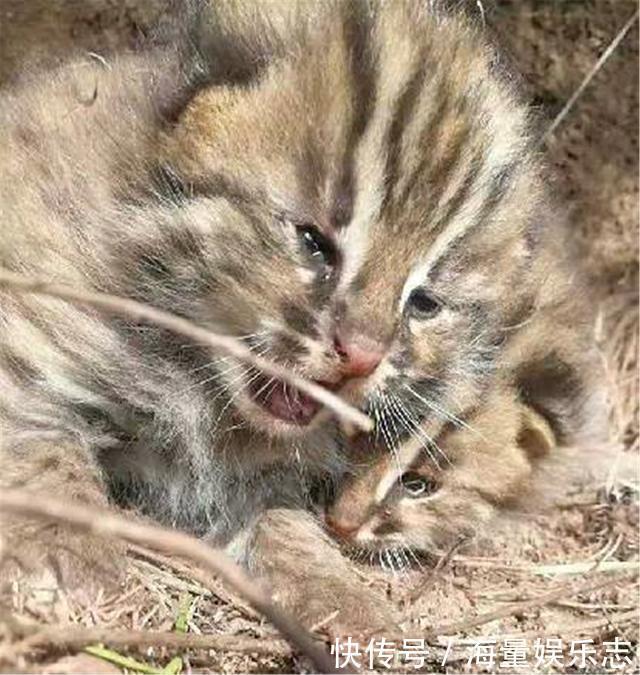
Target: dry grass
x: 109, y: 525
x: 534, y: 577
x: 519, y: 582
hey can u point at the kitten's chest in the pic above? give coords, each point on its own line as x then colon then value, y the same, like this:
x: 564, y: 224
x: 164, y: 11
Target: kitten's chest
x: 218, y: 486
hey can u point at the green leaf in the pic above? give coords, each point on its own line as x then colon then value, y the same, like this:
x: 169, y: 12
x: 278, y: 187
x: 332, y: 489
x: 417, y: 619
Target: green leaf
x: 122, y: 661
x: 174, y: 667
x: 185, y: 608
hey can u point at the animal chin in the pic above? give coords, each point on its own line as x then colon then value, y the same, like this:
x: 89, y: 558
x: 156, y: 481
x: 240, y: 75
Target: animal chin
x: 283, y: 401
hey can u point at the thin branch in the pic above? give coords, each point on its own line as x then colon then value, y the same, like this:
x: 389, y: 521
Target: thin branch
x: 588, y: 77
x: 562, y: 569
x: 415, y: 593
x: 104, y: 523
x: 519, y: 607
x: 78, y: 637
x: 200, y: 576
x: 138, y: 311
x: 583, y: 567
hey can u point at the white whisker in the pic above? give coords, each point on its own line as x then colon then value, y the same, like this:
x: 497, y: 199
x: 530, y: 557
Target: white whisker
x: 389, y: 559
x: 388, y: 440
x: 444, y: 414
x: 415, y: 558
x: 418, y: 432
x: 395, y: 552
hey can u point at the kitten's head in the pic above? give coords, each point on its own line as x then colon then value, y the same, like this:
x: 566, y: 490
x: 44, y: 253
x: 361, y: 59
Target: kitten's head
x: 430, y: 506
x: 365, y: 212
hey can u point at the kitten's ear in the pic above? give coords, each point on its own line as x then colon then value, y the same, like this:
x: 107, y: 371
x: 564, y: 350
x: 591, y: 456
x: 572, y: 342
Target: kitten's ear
x: 558, y: 384
x: 238, y: 38
x: 203, y: 116
x: 535, y: 435
x: 207, y: 44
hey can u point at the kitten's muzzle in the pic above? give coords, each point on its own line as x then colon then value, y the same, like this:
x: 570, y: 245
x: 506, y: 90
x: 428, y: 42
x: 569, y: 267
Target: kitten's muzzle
x: 359, y: 357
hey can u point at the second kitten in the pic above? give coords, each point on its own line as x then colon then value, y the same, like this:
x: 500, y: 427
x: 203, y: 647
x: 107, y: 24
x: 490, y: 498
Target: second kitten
x: 453, y: 489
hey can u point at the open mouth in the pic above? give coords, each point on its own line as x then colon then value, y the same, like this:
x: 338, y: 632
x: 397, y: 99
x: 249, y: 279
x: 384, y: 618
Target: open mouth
x: 284, y: 401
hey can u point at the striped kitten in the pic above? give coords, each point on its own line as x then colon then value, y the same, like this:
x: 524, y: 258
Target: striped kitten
x: 352, y: 191
x: 450, y: 492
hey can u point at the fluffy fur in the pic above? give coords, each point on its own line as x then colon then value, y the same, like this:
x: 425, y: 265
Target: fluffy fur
x: 491, y: 463
x: 356, y: 177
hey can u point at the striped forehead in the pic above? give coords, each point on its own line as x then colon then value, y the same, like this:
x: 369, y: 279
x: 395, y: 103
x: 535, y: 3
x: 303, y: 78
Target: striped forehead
x: 397, y: 464
x: 438, y: 151
x: 412, y: 246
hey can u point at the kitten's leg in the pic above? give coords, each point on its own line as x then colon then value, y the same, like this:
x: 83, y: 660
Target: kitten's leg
x: 51, y: 553
x: 311, y: 578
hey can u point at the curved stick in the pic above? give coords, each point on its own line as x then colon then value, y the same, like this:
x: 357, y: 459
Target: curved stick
x: 140, y: 312
x: 104, y: 523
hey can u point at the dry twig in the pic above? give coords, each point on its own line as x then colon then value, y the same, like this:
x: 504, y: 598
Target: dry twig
x: 198, y: 575
x: 78, y: 637
x: 414, y: 594
x: 589, y: 76
x: 584, y: 628
x: 519, y: 607
x: 108, y: 524
x: 138, y: 311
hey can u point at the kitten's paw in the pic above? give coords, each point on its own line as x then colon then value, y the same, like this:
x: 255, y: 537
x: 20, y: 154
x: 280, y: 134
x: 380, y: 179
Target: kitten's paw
x: 339, y: 610
x: 362, y: 623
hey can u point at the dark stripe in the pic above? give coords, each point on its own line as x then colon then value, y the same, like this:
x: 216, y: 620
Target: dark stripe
x: 357, y: 29
x: 501, y: 182
x: 455, y: 203
x: 402, y: 115
x: 167, y: 183
x: 449, y: 111
x: 311, y: 169
x: 20, y: 370
x: 152, y: 266
x: 299, y: 319
x: 427, y: 135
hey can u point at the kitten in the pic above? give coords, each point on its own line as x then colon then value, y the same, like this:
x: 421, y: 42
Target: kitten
x: 452, y: 490
x: 355, y: 194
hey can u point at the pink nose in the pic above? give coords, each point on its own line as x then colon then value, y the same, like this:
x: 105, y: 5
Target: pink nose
x: 360, y: 357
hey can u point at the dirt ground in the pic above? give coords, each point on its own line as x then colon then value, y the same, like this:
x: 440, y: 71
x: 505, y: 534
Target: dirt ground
x: 571, y: 573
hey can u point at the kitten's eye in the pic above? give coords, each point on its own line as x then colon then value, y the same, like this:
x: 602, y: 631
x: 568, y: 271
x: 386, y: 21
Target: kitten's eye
x: 422, y: 304
x: 319, y: 249
x: 416, y: 485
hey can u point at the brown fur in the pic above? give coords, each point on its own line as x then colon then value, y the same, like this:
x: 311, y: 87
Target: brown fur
x: 389, y: 134
x: 470, y: 474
